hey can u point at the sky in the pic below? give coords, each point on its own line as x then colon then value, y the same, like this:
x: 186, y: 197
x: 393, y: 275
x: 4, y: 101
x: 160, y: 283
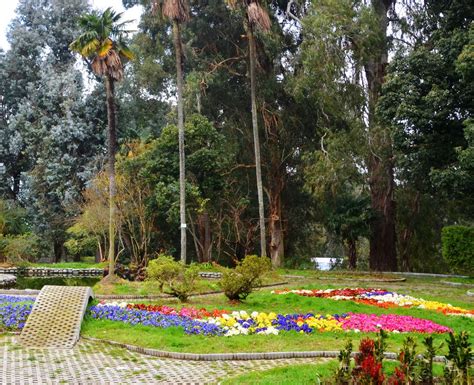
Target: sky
x: 7, y: 13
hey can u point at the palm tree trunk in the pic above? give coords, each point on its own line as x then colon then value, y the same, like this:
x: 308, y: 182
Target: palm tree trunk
x: 182, y: 185
x: 112, y: 146
x: 256, y: 140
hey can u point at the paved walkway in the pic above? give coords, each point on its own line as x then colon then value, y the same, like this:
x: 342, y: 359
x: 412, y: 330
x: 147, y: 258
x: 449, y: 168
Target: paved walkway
x: 96, y: 363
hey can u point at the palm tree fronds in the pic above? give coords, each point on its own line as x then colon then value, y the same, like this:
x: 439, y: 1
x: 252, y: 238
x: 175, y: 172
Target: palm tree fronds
x: 126, y: 53
x: 102, y: 41
x: 105, y: 48
x: 258, y: 16
x: 114, y: 65
x: 176, y: 10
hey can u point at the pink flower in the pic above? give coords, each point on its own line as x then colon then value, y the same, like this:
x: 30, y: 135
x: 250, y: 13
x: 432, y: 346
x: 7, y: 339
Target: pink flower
x: 391, y: 322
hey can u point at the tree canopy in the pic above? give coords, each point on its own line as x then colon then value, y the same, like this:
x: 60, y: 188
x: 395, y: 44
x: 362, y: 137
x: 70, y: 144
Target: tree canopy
x: 324, y: 128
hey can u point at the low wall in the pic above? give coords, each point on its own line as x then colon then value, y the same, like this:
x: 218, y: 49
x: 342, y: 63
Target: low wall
x: 7, y: 280
x: 55, y: 272
x: 50, y: 272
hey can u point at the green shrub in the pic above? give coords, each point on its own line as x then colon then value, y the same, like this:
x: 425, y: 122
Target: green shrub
x: 80, y: 242
x: 173, y: 277
x: 238, y: 283
x: 459, y: 357
x: 458, y: 248
x: 20, y: 249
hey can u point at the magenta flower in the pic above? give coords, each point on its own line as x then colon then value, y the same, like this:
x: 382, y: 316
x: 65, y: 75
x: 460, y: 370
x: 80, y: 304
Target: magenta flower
x: 391, y: 322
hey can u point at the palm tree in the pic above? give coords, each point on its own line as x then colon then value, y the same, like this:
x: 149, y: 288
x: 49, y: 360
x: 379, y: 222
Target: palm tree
x: 102, y: 45
x: 256, y: 18
x: 178, y: 12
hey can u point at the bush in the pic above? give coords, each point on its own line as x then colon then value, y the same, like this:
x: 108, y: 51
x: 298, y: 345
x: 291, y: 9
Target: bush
x: 238, y: 283
x: 20, y: 249
x: 173, y: 277
x: 458, y: 248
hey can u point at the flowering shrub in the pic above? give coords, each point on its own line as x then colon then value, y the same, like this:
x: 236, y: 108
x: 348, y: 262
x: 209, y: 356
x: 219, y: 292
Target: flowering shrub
x: 368, y: 369
x: 380, y: 298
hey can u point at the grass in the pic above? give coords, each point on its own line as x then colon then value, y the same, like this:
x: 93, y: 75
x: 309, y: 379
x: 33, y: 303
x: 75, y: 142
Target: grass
x: 318, y: 373
x: 70, y: 265
x: 124, y: 287
x: 38, y: 283
x: 174, y: 339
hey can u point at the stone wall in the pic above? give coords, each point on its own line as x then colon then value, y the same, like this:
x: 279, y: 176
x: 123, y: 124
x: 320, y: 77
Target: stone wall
x: 55, y: 272
x: 7, y: 280
x: 51, y: 272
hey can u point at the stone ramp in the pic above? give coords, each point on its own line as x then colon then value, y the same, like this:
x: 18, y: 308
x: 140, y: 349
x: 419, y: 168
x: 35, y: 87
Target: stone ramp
x: 56, y: 317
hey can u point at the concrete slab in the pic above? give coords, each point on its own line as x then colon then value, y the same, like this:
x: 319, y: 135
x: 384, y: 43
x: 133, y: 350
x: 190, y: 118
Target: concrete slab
x: 56, y: 317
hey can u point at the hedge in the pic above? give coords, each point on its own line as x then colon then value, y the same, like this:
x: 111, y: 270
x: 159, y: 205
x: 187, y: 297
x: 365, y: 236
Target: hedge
x: 458, y: 248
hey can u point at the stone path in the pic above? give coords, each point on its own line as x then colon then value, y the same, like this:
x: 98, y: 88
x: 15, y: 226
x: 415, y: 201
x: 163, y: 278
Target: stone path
x: 96, y: 363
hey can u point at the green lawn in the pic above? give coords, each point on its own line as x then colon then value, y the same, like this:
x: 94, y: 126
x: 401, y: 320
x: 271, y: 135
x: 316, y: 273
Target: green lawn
x: 173, y: 339
x: 70, y: 265
x: 307, y: 374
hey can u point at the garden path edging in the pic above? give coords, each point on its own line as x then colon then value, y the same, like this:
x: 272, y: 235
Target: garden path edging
x: 237, y: 356
x: 363, y: 279
x: 34, y: 293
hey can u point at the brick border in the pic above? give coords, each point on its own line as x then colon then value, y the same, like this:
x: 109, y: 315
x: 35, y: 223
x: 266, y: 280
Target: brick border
x: 237, y: 356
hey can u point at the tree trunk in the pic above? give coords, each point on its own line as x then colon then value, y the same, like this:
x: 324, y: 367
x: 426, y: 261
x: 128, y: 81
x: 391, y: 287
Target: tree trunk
x: 383, y: 254
x: 256, y: 140
x: 406, y: 234
x: 182, y: 181
x: 59, y: 250
x: 98, y: 253
x: 112, y: 147
x: 352, y: 253
x: 204, y: 233
x: 275, y: 225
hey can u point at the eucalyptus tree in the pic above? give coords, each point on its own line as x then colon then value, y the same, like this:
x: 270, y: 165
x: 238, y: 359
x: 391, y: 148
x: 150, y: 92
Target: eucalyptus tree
x: 178, y: 13
x: 256, y: 17
x: 345, y: 58
x: 103, y: 46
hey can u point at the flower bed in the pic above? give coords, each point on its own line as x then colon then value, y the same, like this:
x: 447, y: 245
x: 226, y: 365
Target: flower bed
x: 380, y: 298
x: 242, y: 323
x: 14, y: 311
x: 185, y: 311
